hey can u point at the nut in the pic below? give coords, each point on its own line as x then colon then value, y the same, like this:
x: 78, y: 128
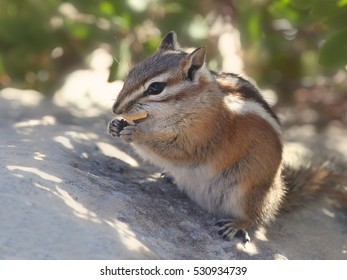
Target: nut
x: 134, y: 117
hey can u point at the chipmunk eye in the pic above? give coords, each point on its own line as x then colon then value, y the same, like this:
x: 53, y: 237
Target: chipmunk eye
x: 155, y: 88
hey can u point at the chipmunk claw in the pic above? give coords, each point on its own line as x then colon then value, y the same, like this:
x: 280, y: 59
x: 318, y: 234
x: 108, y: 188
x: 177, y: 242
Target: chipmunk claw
x: 228, y: 231
x: 243, y: 235
x: 128, y: 133
x: 115, y: 126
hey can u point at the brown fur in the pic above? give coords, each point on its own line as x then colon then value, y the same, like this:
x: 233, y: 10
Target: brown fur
x: 250, y: 139
x: 252, y: 150
x: 198, y: 128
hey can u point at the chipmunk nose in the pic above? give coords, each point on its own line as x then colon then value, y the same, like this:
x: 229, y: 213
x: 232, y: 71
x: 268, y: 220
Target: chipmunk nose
x: 118, y: 108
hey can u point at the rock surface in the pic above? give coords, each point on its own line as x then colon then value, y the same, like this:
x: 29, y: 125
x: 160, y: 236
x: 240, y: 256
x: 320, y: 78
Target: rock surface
x: 70, y: 191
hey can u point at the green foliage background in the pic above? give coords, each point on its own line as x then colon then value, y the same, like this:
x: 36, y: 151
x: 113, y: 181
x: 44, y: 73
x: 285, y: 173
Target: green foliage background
x: 284, y: 41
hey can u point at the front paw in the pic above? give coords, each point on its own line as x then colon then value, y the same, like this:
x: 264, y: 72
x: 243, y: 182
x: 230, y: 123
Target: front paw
x: 116, y: 126
x: 129, y: 133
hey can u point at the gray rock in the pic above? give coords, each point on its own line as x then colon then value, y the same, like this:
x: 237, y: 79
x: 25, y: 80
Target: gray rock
x: 70, y: 191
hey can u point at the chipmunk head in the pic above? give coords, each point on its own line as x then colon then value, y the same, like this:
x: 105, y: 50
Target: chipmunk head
x: 163, y: 80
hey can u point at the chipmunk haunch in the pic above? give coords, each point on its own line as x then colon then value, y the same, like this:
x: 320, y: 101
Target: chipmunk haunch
x: 213, y: 132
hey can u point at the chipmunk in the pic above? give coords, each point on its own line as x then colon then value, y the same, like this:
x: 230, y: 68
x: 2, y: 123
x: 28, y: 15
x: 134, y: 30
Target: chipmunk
x: 215, y: 134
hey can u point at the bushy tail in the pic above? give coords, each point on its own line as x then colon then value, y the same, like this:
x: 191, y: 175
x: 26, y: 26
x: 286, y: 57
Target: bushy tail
x: 309, y: 182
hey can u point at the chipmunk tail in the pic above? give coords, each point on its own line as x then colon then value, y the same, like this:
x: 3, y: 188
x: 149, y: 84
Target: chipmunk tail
x: 312, y: 181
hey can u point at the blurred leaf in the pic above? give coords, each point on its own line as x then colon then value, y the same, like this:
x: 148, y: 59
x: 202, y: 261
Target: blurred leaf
x: 324, y: 8
x: 320, y: 9
x: 173, y: 7
x: 283, y: 9
x: 124, y: 56
x: 250, y: 25
x: 2, y: 66
x: 333, y: 52
x: 301, y: 4
x: 106, y: 8
x: 254, y: 26
x: 280, y: 38
x: 80, y: 31
x: 123, y: 21
x: 338, y: 20
x: 152, y: 44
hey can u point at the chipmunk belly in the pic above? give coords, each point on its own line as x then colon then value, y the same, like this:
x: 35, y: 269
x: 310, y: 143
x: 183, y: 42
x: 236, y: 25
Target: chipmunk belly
x: 213, y: 192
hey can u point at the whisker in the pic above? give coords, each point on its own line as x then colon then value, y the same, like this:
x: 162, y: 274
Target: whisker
x: 116, y: 60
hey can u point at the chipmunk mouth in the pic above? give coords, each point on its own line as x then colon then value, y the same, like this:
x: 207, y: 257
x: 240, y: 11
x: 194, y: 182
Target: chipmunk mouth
x: 135, y: 118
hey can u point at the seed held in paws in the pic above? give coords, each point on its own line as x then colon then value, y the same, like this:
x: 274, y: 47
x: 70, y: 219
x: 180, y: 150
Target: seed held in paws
x: 135, y: 117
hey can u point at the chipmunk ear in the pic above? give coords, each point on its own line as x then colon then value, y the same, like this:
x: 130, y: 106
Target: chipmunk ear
x: 193, y: 62
x: 169, y: 42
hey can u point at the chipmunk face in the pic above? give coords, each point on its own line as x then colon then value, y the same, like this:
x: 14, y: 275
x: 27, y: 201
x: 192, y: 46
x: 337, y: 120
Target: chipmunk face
x: 161, y: 83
